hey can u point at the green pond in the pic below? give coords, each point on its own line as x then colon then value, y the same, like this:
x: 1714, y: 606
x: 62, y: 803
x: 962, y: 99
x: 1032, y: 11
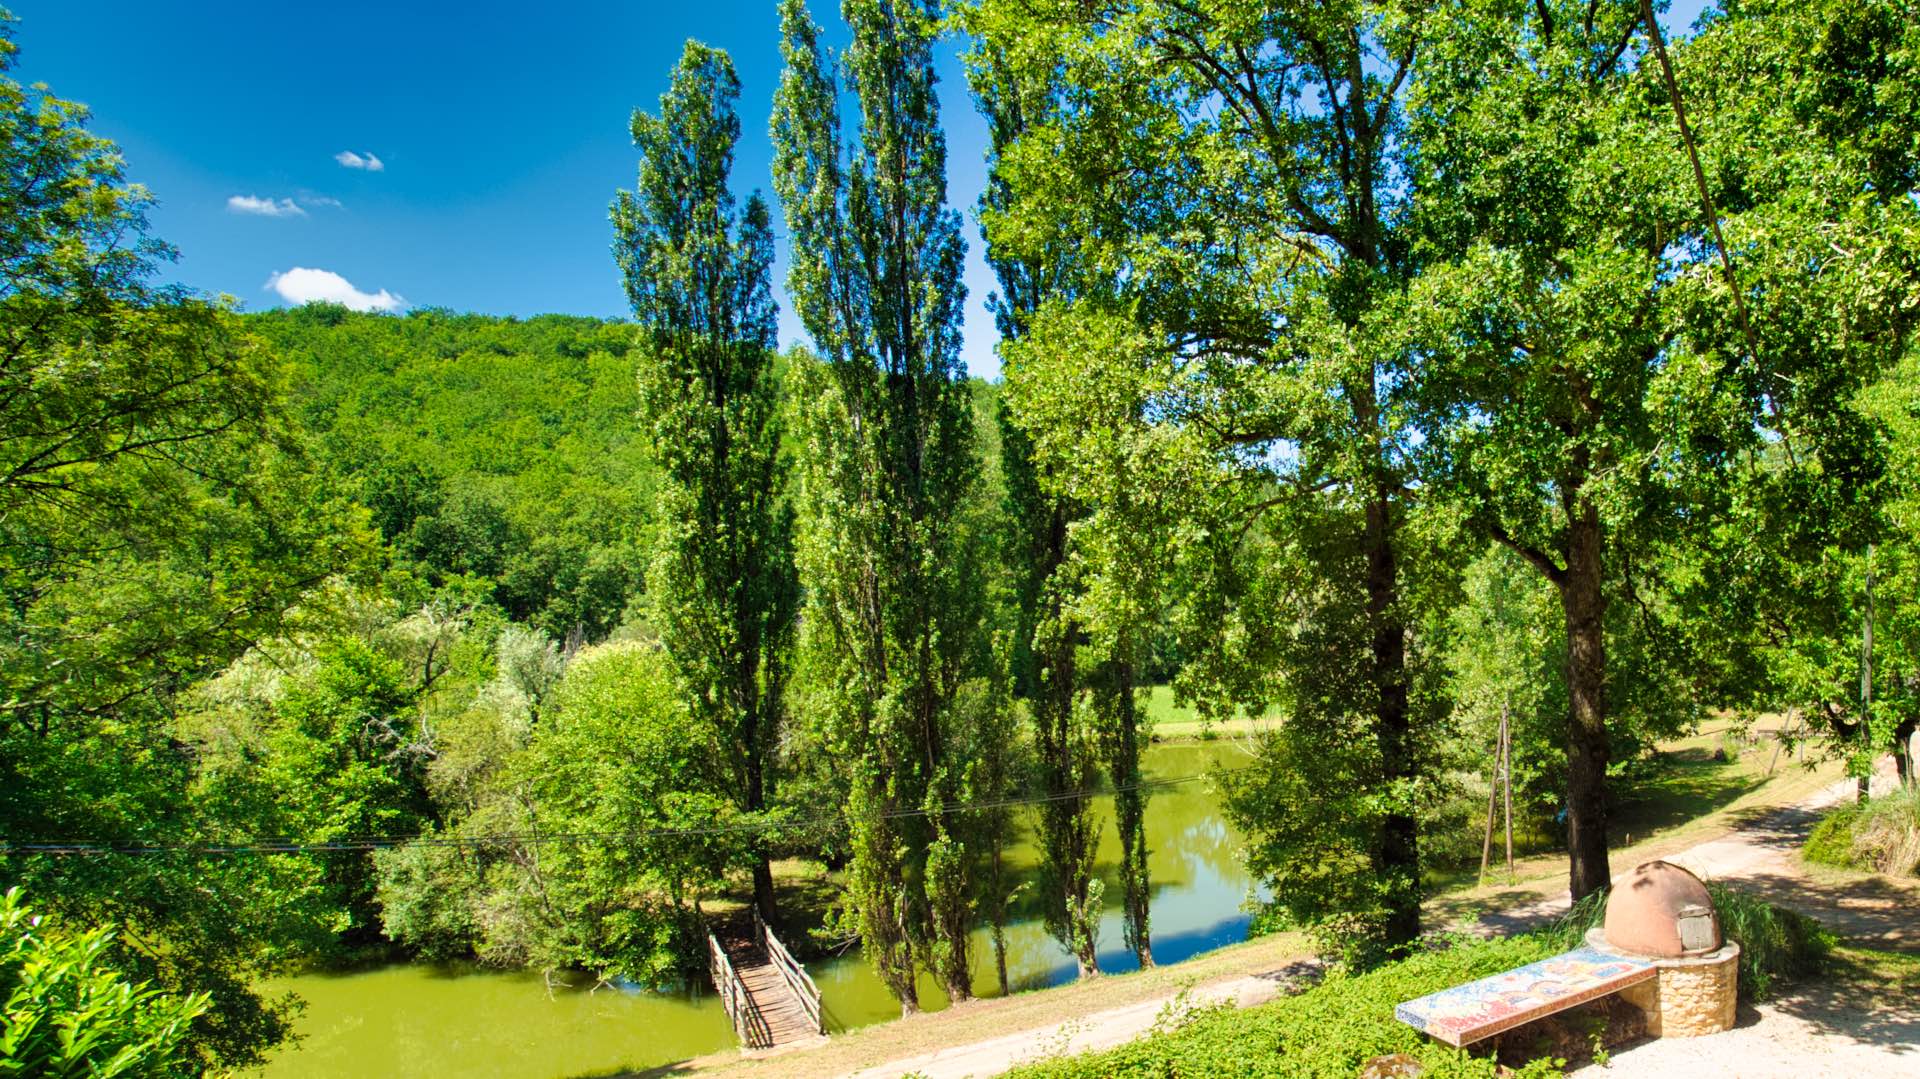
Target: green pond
x: 414, y: 1019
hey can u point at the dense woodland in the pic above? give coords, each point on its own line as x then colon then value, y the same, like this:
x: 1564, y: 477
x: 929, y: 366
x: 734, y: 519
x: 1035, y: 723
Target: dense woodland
x: 1397, y: 365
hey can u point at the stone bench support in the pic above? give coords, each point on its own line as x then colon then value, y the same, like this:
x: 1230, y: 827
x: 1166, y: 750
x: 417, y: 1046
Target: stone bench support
x: 1688, y: 996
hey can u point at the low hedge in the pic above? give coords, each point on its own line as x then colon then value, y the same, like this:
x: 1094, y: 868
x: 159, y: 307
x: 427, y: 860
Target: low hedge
x: 1327, y: 1032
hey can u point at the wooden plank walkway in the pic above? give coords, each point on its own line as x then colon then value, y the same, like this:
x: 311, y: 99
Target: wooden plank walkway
x: 768, y: 995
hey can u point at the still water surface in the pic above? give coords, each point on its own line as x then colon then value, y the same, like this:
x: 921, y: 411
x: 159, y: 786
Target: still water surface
x: 430, y: 1020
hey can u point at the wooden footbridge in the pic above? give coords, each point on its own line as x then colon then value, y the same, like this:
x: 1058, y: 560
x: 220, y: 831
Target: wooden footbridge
x: 768, y: 995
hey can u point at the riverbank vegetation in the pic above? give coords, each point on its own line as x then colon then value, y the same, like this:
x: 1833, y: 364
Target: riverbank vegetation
x: 1406, y: 373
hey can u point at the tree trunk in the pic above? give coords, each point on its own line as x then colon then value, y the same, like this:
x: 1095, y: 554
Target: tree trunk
x: 1129, y: 811
x: 999, y: 921
x: 1583, y: 598
x: 1396, y: 856
x: 762, y: 865
x: 1903, y: 752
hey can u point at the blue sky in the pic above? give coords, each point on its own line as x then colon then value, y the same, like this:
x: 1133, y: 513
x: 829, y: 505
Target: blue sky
x: 500, y: 130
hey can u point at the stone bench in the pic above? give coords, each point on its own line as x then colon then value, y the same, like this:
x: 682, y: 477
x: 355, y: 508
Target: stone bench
x: 1467, y: 1013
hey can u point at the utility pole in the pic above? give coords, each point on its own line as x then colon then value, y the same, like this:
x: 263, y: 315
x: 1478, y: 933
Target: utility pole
x: 1865, y: 781
x: 1506, y: 777
x: 1501, y: 780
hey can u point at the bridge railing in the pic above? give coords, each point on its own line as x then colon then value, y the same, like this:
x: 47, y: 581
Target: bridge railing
x: 748, y: 1023
x: 791, y: 972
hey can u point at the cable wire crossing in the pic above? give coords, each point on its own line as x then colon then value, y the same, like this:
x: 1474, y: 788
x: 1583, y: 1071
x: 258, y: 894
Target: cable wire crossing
x: 278, y: 846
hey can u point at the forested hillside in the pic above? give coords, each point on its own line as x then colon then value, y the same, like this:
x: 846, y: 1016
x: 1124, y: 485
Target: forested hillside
x: 498, y: 450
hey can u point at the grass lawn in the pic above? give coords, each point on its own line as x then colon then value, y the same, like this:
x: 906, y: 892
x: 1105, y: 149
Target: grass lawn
x: 1174, y: 723
x: 1875, y: 977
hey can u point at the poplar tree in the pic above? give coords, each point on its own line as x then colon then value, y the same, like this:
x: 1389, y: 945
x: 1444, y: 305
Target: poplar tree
x: 1047, y: 633
x: 894, y: 601
x: 698, y: 274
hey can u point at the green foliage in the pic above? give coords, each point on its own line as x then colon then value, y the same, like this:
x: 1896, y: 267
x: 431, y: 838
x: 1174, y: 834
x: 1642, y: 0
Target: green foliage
x: 1036, y: 547
x: 498, y: 449
x: 322, y: 739
x: 1881, y: 835
x: 425, y: 892
x: 1775, y: 944
x: 888, y: 472
x: 1831, y: 841
x: 1212, y: 390
x: 1818, y: 156
x: 65, y: 1010
x: 616, y: 758
x: 1326, y: 1032
x: 160, y: 517
x: 699, y: 275
x: 582, y: 841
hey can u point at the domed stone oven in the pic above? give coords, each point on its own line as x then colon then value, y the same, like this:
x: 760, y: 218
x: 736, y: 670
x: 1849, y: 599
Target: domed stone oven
x: 1662, y: 911
x: 1663, y: 914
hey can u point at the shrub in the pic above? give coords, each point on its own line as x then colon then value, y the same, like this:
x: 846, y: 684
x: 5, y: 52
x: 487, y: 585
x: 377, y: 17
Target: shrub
x: 1882, y: 835
x: 64, y: 1011
x: 425, y: 895
x: 1328, y: 1031
x: 1774, y: 943
x: 1887, y: 836
x: 1831, y: 841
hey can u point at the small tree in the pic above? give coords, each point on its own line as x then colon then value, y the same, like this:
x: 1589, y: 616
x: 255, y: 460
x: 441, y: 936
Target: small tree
x: 638, y: 803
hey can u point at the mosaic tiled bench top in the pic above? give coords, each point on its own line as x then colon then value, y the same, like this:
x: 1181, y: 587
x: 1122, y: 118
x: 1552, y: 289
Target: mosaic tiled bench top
x: 1476, y: 1010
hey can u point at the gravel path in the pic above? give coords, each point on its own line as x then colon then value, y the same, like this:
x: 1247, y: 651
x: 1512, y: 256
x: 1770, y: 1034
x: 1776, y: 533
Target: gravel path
x: 1808, y: 1034
x: 1099, y: 1030
x: 1761, y: 855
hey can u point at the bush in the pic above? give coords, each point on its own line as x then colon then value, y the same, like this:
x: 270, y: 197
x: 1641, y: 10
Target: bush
x: 1887, y: 837
x: 1881, y: 835
x: 425, y: 895
x: 64, y: 1011
x: 1775, y: 944
x: 1831, y: 841
x: 1328, y: 1031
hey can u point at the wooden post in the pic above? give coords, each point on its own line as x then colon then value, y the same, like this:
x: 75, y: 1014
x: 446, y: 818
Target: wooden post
x: 1864, y: 784
x: 1493, y: 790
x: 1506, y: 780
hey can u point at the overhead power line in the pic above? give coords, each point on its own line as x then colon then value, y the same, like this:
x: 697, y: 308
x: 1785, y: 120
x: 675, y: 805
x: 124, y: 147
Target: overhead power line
x: 369, y: 843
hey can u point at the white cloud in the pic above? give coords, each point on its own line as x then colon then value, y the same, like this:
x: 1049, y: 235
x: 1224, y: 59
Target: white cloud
x: 253, y: 204
x: 321, y: 200
x: 302, y: 285
x: 360, y: 161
